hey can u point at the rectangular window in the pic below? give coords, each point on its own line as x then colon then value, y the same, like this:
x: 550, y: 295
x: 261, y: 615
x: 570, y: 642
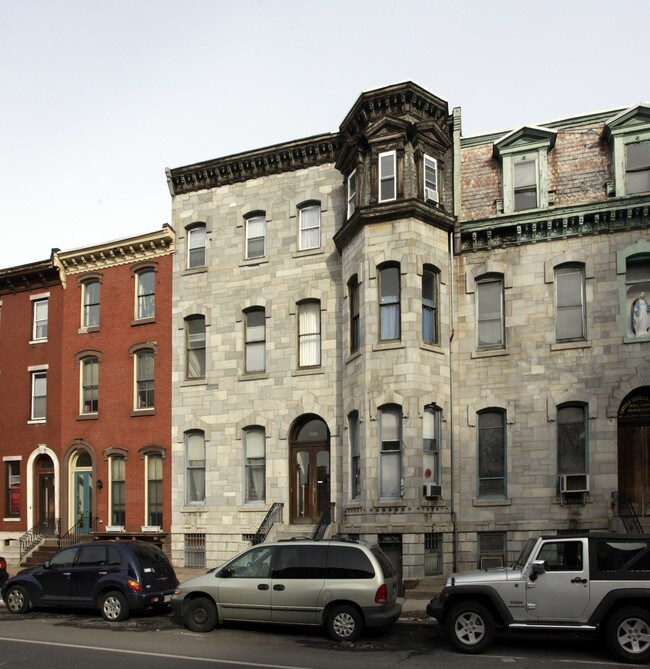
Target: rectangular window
x: 525, y: 180
x: 40, y: 317
x: 352, y: 193
x: 491, y: 549
x: 12, y: 487
x: 490, y: 313
x: 389, y: 303
x: 255, y: 465
x: 431, y: 444
x: 118, y: 491
x: 195, y: 467
x: 310, y: 227
x: 256, y: 237
x: 195, y: 347
x: 429, y: 307
x: 90, y: 314
x: 387, y: 177
x: 39, y: 395
x: 309, y: 335
x: 154, y: 490
x: 355, y: 455
x: 355, y: 325
x: 433, y: 554
x: 146, y: 294
x: 571, y: 440
x: 637, y: 168
x: 491, y: 454
x: 430, y: 179
x: 196, y: 247
x: 390, y: 465
x: 569, y: 303
x: 255, y: 340
x: 89, y: 385
x: 195, y: 550
x: 144, y: 380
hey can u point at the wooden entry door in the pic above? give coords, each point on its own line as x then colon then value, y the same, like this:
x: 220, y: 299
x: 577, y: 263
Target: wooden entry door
x: 633, y: 466
x: 45, y: 490
x: 310, y: 483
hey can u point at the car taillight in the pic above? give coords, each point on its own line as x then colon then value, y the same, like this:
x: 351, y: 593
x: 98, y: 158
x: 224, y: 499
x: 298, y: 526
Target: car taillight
x: 3, y: 563
x: 134, y: 585
x: 381, y: 596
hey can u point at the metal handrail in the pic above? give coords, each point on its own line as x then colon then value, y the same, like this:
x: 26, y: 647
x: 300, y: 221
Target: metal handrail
x: 82, y: 530
x: 622, y: 507
x: 273, y: 516
x: 49, y: 528
x: 325, y: 519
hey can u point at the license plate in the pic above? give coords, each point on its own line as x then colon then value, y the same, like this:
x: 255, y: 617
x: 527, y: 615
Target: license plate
x: 168, y: 598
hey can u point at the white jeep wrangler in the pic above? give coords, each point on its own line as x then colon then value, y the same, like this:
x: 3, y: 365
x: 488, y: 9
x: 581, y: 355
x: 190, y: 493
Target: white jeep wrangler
x: 598, y: 583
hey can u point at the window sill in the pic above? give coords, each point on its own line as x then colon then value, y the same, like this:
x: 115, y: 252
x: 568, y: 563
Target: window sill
x: 308, y: 371
x: 194, y: 270
x: 627, y: 339
x: 198, y: 508
x: 143, y: 412
x: 493, y: 353
x: 193, y: 383
x: 252, y: 507
x: 308, y: 252
x: 253, y: 262
x: 38, y: 341
x: 37, y: 421
x: 388, y: 345
x: 88, y: 416
x: 352, y: 505
x: 143, y: 321
x: 434, y: 348
x: 389, y: 503
x: 84, y: 330
x: 494, y: 501
x: 568, y: 345
x: 14, y: 519
x: 253, y: 376
x: 352, y: 357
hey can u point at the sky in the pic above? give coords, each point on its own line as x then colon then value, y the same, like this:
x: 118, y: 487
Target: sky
x: 98, y: 98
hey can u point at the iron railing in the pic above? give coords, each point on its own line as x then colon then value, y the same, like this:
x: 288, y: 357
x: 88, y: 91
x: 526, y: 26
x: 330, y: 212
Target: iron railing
x: 82, y: 530
x: 49, y: 528
x: 623, y: 509
x: 326, y: 518
x: 273, y: 516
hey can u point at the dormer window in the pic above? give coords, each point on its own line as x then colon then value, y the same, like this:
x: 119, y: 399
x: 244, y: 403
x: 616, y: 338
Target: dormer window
x: 525, y: 184
x: 430, y: 179
x: 387, y: 177
x: 637, y: 167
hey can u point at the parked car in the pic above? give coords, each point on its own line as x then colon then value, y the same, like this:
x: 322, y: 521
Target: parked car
x: 343, y: 586
x: 3, y: 571
x: 116, y: 577
x: 593, y: 583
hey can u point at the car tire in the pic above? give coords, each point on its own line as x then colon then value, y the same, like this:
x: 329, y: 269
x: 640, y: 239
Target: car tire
x: 200, y: 614
x: 470, y: 627
x: 344, y: 623
x: 17, y: 599
x: 628, y: 634
x: 114, y: 606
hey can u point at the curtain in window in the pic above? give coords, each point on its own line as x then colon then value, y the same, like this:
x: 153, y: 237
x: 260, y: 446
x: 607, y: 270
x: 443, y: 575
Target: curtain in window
x: 118, y: 491
x: 389, y: 303
x: 195, y: 333
x: 195, y: 445
x: 309, y: 334
x: 154, y: 490
x: 391, y: 455
x: 91, y: 304
x: 146, y: 294
x: 196, y: 247
x: 255, y: 465
x: 310, y: 227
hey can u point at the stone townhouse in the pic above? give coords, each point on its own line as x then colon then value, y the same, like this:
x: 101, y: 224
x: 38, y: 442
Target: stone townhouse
x: 440, y: 341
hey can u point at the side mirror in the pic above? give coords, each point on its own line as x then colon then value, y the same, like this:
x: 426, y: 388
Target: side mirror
x: 46, y: 564
x: 538, y: 567
x: 224, y: 573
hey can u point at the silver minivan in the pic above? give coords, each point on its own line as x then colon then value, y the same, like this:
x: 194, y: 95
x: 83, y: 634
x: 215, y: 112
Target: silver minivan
x: 343, y: 586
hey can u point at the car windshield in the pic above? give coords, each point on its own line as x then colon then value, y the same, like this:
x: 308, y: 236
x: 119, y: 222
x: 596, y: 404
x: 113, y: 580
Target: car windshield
x: 525, y: 554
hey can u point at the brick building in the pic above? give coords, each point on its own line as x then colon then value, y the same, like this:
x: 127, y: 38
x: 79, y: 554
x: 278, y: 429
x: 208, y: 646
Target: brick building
x: 92, y: 455
x: 445, y: 337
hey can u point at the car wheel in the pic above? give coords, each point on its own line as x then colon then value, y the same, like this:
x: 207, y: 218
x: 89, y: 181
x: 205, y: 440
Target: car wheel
x: 628, y: 634
x: 200, y: 614
x: 114, y: 606
x: 344, y: 623
x: 17, y: 599
x: 469, y: 627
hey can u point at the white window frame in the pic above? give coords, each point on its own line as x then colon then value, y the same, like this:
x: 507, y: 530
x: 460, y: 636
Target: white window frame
x: 526, y: 187
x: 309, y: 229
x: 194, y: 465
x: 40, y: 321
x: 193, y: 347
x: 193, y: 238
x: 37, y: 375
x: 352, y: 192
x: 149, y: 459
x: 84, y: 362
x: 390, y: 451
x: 87, y: 307
x: 490, y: 317
x: 639, y: 170
x: 255, y: 340
x: 430, y: 179
x: 563, y: 311
x: 254, y: 436
x: 138, y: 357
x: 145, y: 302
x: 386, y: 178
x: 115, y: 484
x: 431, y: 443
x: 309, y: 334
x: 256, y: 220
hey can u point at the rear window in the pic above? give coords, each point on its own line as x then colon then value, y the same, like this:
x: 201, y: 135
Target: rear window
x: 384, y: 562
x: 348, y: 562
x: 149, y: 555
x: 616, y: 555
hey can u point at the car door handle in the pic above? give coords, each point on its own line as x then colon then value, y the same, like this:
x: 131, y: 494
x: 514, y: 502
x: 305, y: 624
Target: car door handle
x: 263, y: 586
x: 577, y: 579
x: 278, y: 586
x: 103, y: 573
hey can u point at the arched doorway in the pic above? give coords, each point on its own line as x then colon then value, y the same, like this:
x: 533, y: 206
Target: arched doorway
x: 634, y: 449
x: 309, y: 469
x: 81, y: 476
x: 44, y: 489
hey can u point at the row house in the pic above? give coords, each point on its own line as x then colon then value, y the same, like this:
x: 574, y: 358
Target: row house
x: 85, y: 372
x: 442, y: 341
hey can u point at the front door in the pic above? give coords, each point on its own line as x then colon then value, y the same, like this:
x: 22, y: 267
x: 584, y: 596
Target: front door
x: 634, y: 449
x: 83, y: 501
x: 309, y: 471
x: 45, y: 491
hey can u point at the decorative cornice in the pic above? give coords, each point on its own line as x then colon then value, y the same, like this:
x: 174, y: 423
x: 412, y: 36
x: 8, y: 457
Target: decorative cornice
x: 27, y: 277
x: 555, y: 223
x: 309, y: 152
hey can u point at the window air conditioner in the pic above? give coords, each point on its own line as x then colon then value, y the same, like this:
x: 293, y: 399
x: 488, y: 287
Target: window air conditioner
x: 431, y: 490
x: 430, y: 195
x: 574, y: 483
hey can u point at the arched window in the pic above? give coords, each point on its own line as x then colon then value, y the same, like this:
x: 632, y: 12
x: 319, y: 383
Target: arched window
x: 570, y: 302
x: 571, y: 438
x: 491, y: 453
x: 309, y: 215
x: 255, y: 339
x: 254, y: 464
x: 196, y: 246
x: 430, y: 305
x: 309, y: 334
x: 195, y: 347
x: 355, y: 325
x: 355, y: 455
x: 154, y: 469
x: 145, y: 294
x: 118, y: 490
x: 144, y: 379
x: 90, y: 303
x: 489, y: 316
x: 195, y: 467
x: 90, y: 385
x: 256, y: 235
x: 389, y: 302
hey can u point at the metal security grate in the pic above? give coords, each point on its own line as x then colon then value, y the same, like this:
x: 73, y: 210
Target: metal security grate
x: 433, y: 554
x: 195, y: 550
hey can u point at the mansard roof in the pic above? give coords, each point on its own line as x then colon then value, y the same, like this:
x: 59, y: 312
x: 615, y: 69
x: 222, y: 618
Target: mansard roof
x: 525, y: 136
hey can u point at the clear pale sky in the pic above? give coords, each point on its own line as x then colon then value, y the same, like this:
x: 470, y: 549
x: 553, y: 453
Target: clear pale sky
x: 97, y: 98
